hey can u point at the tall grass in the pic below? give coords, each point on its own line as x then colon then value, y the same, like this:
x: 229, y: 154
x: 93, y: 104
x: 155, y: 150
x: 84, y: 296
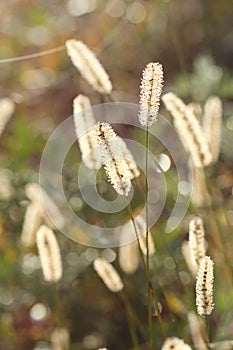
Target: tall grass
x: 173, y: 292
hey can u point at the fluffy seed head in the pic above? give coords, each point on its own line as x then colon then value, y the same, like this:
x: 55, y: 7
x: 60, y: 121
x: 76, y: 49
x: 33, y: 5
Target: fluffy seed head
x: 129, y: 257
x: 89, y: 66
x: 110, y: 147
x: 52, y: 214
x: 84, y: 122
x: 196, y: 240
x: 6, y: 110
x: 200, y: 194
x: 189, y: 130
x: 150, y: 92
x: 212, y: 124
x: 108, y: 274
x: 191, y: 264
x: 196, y: 110
x: 128, y: 157
x: 31, y: 223
x: 174, y: 343
x: 49, y: 253
x: 204, y: 287
x: 195, y: 331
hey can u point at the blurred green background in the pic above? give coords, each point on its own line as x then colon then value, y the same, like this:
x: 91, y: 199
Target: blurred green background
x: 193, y: 39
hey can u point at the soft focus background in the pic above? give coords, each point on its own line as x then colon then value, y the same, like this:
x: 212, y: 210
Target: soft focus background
x: 193, y: 39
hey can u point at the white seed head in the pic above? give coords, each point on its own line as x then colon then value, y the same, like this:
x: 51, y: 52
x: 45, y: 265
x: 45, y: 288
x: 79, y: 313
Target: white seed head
x: 189, y: 130
x: 60, y: 339
x: 196, y: 240
x: 128, y: 157
x: 191, y: 264
x: 204, y: 287
x: 174, y: 343
x: 196, y: 110
x: 129, y: 257
x: 84, y: 122
x: 49, y: 210
x: 212, y: 124
x: 116, y: 167
x: 195, y: 331
x: 49, y: 253
x: 150, y: 92
x: 200, y: 195
x: 7, y: 108
x: 108, y: 274
x: 31, y: 223
x: 33, y: 192
x: 89, y: 66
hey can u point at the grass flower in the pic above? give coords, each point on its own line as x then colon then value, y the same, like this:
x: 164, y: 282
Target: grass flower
x: 200, y: 195
x: 6, y: 110
x: 108, y: 274
x: 195, y: 331
x: 84, y: 122
x: 49, y: 253
x: 189, y: 130
x: 89, y: 66
x: 191, y: 264
x: 174, y: 343
x: 116, y: 167
x: 196, y: 110
x: 204, y: 287
x: 129, y: 257
x: 128, y: 157
x: 150, y: 92
x: 31, y: 223
x: 196, y: 240
x: 49, y: 210
x: 212, y: 124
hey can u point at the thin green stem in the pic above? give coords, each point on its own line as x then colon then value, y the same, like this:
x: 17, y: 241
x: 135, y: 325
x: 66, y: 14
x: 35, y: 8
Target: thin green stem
x: 57, y: 305
x: 207, y: 330
x: 150, y: 289
x: 149, y: 285
x: 137, y: 321
x: 131, y: 321
x: 141, y: 189
x: 137, y: 235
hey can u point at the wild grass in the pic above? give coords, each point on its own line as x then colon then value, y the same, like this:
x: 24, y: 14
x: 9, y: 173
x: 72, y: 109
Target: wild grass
x: 155, y: 297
